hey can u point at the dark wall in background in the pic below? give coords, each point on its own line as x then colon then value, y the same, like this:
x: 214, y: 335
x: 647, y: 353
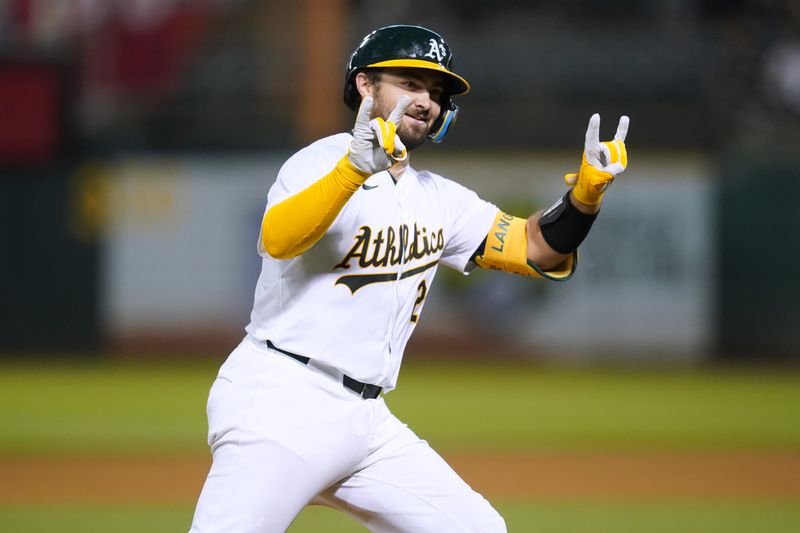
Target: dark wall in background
x: 48, y: 276
x: 759, y: 234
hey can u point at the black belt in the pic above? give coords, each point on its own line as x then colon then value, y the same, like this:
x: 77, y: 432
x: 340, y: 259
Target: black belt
x: 365, y: 390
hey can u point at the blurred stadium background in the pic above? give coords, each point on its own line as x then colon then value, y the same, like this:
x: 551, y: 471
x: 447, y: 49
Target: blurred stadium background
x: 138, y: 139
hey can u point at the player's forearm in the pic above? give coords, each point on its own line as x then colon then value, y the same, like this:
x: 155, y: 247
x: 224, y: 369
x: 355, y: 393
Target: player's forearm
x: 297, y: 223
x: 558, y: 231
x: 538, y: 250
x: 507, y: 248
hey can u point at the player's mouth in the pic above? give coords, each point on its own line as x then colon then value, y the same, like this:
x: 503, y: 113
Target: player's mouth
x: 422, y: 122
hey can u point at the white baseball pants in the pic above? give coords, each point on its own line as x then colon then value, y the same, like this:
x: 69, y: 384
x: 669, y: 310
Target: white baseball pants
x: 284, y: 435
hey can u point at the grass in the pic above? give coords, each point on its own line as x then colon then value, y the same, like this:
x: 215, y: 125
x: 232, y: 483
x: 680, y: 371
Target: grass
x: 652, y: 517
x: 145, y: 408
x: 550, y: 517
x: 141, y: 408
x: 104, y: 407
x: 533, y: 408
x: 137, y: 518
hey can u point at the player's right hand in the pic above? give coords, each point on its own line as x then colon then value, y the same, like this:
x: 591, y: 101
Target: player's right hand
x: 601, y: 162
x: 376, y: 145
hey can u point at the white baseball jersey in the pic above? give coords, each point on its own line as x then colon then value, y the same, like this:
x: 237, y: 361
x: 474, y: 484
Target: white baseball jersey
x: 353, y: 299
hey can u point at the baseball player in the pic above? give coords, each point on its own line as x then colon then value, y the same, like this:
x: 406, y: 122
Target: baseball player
x: 351, y: 239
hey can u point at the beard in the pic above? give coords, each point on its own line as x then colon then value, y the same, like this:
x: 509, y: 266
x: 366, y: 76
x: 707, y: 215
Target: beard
x: 412, y: 137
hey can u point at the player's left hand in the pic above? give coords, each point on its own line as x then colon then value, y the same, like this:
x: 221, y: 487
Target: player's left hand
x: 601, y: 162
x: 376, y: 145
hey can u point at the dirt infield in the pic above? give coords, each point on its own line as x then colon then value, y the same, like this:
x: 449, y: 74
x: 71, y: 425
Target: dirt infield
x: 762, y: 475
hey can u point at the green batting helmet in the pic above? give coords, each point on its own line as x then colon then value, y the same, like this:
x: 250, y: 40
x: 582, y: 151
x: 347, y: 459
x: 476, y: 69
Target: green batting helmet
x: 407, y: 46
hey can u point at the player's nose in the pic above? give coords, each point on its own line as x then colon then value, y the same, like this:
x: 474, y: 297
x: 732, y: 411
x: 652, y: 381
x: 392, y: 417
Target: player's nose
x: 423, y: 101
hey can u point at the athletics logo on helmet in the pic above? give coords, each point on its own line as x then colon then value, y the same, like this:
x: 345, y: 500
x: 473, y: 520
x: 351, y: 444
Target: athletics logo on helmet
x: 407, y: 46
x: 438, y: 50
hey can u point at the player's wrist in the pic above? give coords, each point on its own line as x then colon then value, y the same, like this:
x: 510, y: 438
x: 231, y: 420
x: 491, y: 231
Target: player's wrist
x: 349, y: 176
x: 591, y: 184
x: 587, y: 206
x: 564, y: 226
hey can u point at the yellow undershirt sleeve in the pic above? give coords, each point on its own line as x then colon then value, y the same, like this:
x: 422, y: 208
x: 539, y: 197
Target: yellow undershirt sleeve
x: 297, y: 223
x: 506, y: 249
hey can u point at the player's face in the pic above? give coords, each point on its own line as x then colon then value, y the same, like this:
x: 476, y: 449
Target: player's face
x: 425, y: 88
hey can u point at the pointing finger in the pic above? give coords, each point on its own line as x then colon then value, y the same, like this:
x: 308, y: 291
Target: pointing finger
x: 364, y: 111
x: 400, y: 109
x: 593, y: 135
x: 622, y: 129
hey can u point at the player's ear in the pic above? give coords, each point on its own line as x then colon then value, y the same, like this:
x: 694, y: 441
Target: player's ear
x: 364, y: 84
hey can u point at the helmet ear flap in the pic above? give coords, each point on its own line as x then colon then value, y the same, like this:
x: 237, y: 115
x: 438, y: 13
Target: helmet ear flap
x: 443, y: 122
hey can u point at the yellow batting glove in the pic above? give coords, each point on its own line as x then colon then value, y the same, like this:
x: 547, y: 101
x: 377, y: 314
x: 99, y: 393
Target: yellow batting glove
x: 601, y: 162
x: 385, y: 132
x: 376, y: 145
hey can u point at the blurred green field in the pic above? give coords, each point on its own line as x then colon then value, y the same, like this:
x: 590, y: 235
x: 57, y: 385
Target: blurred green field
x: 152, y: 407
x: 130, y: 408
x: 549, y: 517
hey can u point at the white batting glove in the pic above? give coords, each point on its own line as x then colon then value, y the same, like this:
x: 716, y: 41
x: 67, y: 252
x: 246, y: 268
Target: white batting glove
x: 375, y: 145
x: 601, y: 162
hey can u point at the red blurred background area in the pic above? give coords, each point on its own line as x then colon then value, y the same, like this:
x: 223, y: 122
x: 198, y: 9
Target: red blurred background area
x: 30, y: 121
x: 144, y: 53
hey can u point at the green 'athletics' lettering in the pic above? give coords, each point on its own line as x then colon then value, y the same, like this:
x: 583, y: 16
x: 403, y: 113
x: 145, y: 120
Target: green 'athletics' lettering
x: 396, y: 248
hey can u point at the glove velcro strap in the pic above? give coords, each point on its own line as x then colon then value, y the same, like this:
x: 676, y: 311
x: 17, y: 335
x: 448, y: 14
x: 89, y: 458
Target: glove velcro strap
x: 506, y: 249
x: 386, y: 131
x: 592, y: 183
x: 387, y: 134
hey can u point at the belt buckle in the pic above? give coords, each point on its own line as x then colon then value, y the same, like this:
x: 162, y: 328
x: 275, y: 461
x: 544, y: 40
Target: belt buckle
x: 361, y: 390
x: 369, y: 391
